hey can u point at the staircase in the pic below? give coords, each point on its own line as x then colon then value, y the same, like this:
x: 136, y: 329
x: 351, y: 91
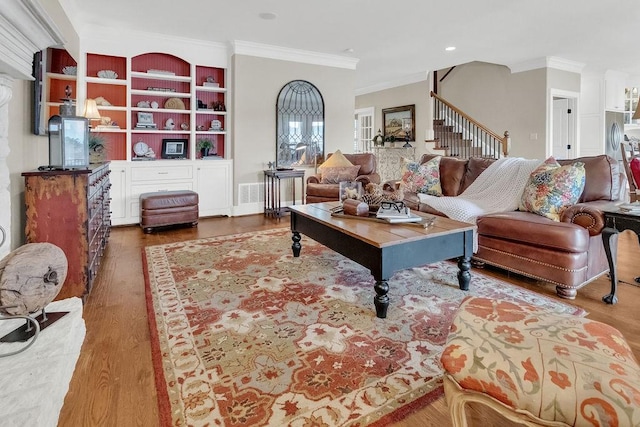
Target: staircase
x: 452, y: 142
x: 459, y: 135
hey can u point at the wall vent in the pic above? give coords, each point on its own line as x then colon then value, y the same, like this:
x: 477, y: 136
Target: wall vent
x: 250, y: 193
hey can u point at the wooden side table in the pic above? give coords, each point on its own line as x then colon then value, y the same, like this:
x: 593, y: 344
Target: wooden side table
x: 272, y: 190
x: 615, y: 222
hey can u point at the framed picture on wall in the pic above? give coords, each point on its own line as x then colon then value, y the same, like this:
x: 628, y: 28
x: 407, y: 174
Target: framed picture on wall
x: 399, y: 123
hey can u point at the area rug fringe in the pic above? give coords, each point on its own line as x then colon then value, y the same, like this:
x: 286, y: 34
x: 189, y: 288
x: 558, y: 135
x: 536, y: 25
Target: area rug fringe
x: 244, y: 334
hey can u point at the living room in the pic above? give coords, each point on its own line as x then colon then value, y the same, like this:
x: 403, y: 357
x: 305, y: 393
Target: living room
x: 254, y: 79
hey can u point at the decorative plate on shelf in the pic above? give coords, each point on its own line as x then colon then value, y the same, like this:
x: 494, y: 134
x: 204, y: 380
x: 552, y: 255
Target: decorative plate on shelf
x: 70, y: 70
x: 107, y: 74
x: 140, y: 148
x: 174, y: 104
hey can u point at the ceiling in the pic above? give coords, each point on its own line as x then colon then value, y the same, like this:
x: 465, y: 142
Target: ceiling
x: 395, y: 41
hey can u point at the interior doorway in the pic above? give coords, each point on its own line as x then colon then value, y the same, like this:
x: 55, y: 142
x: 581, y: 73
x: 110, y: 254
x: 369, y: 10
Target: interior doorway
x: 564, y: 126
x: 364, y: 130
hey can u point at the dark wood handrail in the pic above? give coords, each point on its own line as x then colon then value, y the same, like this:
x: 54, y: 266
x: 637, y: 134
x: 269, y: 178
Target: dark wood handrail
x: 504, y: 139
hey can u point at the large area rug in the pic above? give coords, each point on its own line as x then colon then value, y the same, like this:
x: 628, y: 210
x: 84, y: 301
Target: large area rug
x: 245, y: 334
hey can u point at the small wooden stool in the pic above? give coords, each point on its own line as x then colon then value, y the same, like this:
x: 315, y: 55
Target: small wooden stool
x: 539, y: 368
x: 165, y: 208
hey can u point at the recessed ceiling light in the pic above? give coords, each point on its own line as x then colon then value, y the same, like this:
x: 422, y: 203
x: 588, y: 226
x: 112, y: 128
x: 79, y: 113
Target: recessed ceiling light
x: 450, y: 48
x: 268, y: 16
x: 348, y: 50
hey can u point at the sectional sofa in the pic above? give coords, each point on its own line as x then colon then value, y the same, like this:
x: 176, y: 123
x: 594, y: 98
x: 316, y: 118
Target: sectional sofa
x: 568, y: 253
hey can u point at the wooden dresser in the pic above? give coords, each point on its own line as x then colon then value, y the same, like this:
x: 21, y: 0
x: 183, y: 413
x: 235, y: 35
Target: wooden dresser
x: 71, y: 209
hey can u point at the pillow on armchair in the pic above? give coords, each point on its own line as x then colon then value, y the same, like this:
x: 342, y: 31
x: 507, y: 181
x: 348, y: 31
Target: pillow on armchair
x: 335, y: 160
x: 337, y: 174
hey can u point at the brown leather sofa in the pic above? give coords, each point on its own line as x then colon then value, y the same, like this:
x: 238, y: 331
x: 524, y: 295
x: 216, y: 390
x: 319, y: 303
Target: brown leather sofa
x: 318, y: 192
x: 569, y: 253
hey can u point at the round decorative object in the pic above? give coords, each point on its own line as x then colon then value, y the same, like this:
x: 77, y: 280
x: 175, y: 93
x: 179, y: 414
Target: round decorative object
x: 169, y: 124
x: 174, y: 104
x: 70, y: 70
x: 140, y: 148
x: 107, y: 74
x: 31, y: 277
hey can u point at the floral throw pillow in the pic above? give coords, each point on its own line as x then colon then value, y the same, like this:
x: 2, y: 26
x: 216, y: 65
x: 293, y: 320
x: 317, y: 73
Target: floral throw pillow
x: 553, y: 188
x: 422, y: 178
x: 337, y: 174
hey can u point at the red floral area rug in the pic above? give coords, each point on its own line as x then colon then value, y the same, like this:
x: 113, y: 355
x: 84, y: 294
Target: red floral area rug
x: 245, y: 334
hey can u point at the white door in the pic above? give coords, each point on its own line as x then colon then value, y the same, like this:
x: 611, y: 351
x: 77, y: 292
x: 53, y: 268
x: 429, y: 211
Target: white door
x: 364, y: 132
x: 560, y: 132
x: 564, y: 128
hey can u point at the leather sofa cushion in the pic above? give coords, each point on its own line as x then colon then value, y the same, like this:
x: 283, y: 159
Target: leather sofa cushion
x: 529, y: 228
x: 452, y: 173
x: 457, y: 174
x: 323, y: 190
x: 601, y: 177
x: 475, y: 167
x: 367, y: 162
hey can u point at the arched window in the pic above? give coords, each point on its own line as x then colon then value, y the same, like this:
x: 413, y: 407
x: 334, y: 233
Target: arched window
x: 299, y: 125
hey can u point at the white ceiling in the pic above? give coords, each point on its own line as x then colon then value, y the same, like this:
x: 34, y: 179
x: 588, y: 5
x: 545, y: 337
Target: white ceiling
x: 396, y: 40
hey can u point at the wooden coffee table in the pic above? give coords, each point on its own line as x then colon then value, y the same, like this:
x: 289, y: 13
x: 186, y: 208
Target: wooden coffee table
x: 384, y: 248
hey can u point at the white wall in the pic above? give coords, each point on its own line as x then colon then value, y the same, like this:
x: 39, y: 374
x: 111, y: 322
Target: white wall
x: 28, y: 151
x: 256, y: 84
x: 505, y: 101
x: 415, y: 93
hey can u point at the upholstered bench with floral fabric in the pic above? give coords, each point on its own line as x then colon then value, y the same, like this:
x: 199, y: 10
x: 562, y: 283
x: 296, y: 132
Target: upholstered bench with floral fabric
x: 539, y: 368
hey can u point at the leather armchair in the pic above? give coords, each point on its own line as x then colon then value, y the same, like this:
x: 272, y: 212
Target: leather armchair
x: 318, y: 192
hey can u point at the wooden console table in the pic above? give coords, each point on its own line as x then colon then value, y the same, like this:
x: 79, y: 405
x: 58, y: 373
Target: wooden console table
x: 615, y: 222
x: 272, y: 191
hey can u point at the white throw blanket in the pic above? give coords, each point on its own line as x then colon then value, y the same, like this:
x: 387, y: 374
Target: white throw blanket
x: 497, y: 189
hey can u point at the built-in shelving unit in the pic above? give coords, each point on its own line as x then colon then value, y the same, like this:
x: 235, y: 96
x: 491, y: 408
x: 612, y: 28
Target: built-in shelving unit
x: 157, y: 96
x: 57, y: 60
x: 160, y: 88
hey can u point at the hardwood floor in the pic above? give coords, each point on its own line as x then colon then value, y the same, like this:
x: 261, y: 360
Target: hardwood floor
x: 113, y: 383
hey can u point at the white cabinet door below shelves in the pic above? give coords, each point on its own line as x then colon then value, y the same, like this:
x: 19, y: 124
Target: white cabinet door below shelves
x: 213, y: 185
x: 118, y: 194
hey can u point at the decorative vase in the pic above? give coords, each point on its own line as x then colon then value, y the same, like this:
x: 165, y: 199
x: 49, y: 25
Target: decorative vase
x: 204, y: 152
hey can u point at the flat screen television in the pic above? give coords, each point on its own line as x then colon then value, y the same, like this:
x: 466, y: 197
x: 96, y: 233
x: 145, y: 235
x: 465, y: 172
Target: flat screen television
x: 38, y: 108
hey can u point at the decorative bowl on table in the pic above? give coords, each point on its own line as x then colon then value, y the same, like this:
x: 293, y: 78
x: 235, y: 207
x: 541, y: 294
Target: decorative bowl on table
x: 107, y: 74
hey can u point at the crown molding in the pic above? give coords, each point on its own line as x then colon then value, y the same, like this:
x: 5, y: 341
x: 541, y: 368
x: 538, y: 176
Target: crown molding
x: 25, y: 28
x: 554, y: 62
x: 405, y: 80
x: 294, y: 55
